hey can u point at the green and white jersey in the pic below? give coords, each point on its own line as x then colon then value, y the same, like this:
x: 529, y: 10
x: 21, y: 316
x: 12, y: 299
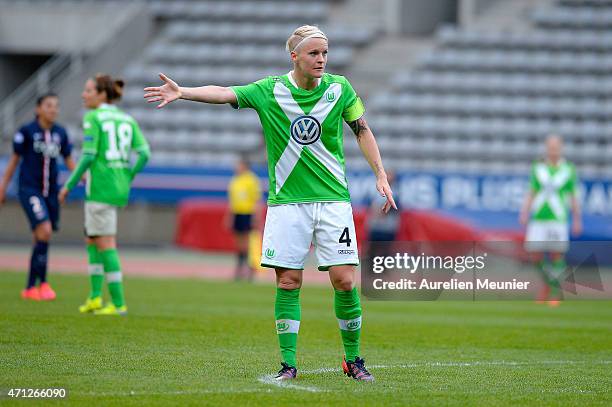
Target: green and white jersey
x: 303, y: 135
x: 552, y: 187
x: 110, y: 135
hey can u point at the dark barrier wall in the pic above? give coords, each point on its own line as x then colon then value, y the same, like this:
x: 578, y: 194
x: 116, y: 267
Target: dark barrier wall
x: 488, y: 203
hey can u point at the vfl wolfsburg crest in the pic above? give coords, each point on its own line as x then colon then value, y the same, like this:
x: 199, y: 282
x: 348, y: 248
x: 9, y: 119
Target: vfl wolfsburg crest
x: 353, y: 325
x: 306, y: 130
x: 270, y: 253
x: 330, y: 96
x: 287, y: 326
x: 350, y: 324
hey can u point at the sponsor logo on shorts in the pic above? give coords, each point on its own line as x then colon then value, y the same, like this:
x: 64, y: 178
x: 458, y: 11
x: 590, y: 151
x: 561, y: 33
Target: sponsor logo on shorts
x: 270, y: 253
x: 346, y: 251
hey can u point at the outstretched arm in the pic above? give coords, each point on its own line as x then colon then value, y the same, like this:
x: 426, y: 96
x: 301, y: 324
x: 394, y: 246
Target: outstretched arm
x: 8, y: 174
x: 171, y: 91
x: 369, y: 149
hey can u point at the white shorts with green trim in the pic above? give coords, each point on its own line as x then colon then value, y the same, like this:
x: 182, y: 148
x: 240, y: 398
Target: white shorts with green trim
x: 547, y: 236
x: 100, y: 219
x: 291, y: 229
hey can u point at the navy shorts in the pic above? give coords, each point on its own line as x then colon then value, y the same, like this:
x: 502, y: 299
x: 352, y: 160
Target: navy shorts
x: 242, y: 223
x: 39, y: 209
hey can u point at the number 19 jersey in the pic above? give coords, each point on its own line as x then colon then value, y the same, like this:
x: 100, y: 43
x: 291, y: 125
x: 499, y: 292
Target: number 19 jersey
x: 303, y: 134
x: 110, y: 135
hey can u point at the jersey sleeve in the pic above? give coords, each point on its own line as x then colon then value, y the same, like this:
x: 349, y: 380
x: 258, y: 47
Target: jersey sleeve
x: 19, y: 141
x: 139, y: 142
x: 252, y: 95
x: 353, y: 106
x: 91, y: 134
x: 66, y: 147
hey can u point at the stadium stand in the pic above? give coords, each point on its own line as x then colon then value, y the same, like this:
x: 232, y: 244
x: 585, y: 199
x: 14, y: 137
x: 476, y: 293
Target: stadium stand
x: 194, y: 48
x: 212, y: 42
x: 482, y: 101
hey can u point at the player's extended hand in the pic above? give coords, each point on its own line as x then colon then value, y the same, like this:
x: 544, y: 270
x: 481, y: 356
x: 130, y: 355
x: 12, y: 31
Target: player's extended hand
x: 2, y: 195
x: 383, y: 187
x: 167, y: 93
x: 62, y: 195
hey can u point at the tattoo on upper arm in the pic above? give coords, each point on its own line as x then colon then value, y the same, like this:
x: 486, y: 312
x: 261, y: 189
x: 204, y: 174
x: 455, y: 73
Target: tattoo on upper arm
x: 358, y: 126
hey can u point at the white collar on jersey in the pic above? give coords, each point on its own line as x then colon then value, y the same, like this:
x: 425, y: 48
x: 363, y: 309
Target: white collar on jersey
x: 294, y: 83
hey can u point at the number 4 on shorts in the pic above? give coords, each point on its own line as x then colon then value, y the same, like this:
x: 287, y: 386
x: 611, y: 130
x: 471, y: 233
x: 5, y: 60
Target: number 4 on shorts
x: 345, y: 237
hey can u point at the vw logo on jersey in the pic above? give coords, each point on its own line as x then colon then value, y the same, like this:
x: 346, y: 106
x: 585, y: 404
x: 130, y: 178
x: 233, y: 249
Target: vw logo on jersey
x: 306, y: 130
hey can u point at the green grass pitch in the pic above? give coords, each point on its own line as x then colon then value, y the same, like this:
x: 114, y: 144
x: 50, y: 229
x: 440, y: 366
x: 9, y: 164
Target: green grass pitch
x: 194, y: 342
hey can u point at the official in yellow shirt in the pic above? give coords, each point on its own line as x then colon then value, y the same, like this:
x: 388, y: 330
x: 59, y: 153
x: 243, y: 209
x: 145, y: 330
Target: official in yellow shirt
x: 244, y: 194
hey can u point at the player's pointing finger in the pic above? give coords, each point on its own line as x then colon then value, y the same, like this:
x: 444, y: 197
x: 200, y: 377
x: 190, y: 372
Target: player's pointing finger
x: 390, y: 198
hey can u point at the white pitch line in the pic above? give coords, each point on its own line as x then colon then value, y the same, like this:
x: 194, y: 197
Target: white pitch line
x: 269, y: 379
x: 165, y: 393
x: 464, y: 364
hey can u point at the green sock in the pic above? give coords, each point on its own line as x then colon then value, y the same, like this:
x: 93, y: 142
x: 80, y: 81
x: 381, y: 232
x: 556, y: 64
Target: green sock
x: 558, y: 268
x: 112, y: 269
x: 287, y: 313
x: 96, y: 271
x: 541, y: 266
x: 544, y: 270
x: 348, y: 312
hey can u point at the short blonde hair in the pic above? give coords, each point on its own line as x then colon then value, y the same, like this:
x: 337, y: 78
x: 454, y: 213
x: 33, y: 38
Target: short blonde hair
x: 302, y: 33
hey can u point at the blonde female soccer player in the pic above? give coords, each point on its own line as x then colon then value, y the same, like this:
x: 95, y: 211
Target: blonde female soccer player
x: 110, y: 135
x: 301, y: 113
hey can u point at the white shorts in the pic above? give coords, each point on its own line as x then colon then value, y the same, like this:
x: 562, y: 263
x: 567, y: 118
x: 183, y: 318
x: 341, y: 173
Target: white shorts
x: 100, y: 219
x: 291, y: 229
x: 547, y: 236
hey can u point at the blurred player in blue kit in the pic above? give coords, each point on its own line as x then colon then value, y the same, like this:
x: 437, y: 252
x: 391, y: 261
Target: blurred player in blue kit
x: 36, y: 147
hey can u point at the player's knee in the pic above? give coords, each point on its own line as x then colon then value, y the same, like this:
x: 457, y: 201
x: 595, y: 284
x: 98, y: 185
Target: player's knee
x: 289, y: 282
x: 344, y: 283
x: 43, y: 232
x: 556, y: 256
x: 105, y: 243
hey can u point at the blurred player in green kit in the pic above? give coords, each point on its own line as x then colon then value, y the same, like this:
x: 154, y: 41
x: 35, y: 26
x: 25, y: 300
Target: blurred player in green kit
x: 553, y: 191
x: 110, y: 135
